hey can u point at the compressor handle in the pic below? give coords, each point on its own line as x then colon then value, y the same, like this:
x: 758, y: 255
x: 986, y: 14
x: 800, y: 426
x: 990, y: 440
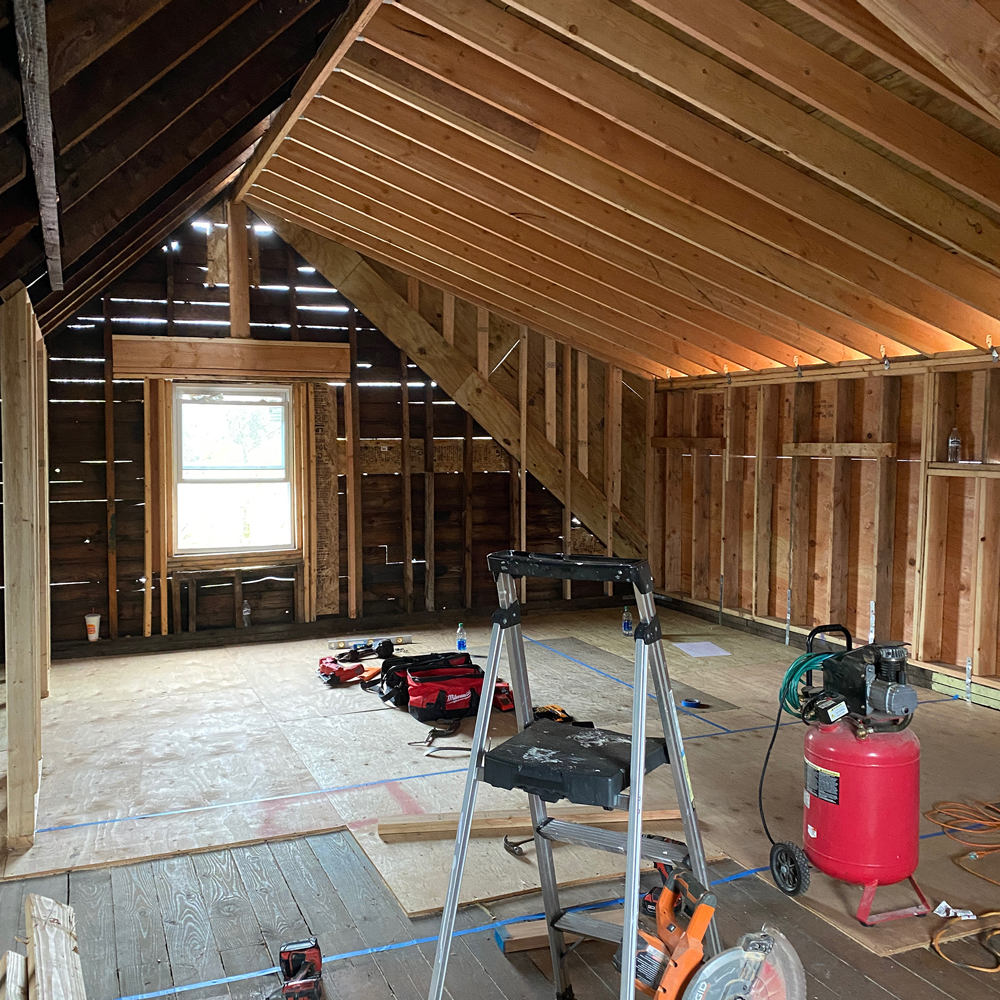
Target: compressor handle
x: 820, y: 629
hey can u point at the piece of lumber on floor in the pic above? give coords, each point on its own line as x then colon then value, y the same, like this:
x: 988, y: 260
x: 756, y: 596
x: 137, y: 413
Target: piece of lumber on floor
x: 13, y: 977
x: 54, y: 970
x: 493, y: 823
x: 531, y: 934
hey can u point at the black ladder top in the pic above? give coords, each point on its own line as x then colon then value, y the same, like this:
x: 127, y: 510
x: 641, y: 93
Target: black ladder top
x: 559, y: 566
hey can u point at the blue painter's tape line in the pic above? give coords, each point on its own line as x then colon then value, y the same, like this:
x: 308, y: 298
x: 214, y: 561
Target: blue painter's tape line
x: 739, y: 875
x: 249, y: 802
x: 618, y: 680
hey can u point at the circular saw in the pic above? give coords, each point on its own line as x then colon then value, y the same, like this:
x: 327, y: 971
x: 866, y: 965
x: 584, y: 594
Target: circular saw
x: 762, y: 966
x: 671, y: 964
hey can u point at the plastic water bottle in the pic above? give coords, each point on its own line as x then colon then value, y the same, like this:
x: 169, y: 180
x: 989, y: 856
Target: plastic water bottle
x: 461, y: 641
x: 627, y: 623
x: 954, y: 446
x: 246, y: 614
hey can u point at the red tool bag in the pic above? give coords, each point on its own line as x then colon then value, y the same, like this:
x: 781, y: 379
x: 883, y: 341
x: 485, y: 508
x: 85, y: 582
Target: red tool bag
x: 433, y: 686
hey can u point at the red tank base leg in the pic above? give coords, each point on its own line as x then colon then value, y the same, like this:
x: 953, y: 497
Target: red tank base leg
x: 869, y: 919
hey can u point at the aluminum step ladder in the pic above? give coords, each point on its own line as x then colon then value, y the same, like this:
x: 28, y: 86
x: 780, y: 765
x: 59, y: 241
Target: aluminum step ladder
x: 532, y: 761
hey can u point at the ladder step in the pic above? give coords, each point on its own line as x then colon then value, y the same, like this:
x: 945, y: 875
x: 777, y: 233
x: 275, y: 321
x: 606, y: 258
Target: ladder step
x: 556, y: 760
x: 591, y: 927
x: 653, y: 849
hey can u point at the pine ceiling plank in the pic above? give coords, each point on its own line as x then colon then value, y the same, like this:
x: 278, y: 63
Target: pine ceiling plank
x: 791, y: 254
x: 780, y: 56
x: 684, y: 234
x: 961, y: 39
x: 860, y: 26
x: 378, y: 149
x: 346, y: 270
x: 656, y: 56
x: 329, y: 153
x: 453, y: 280
x: 551, y: 306
x: 581, y: 78
x: 347, y: 27
x: 556, y: 198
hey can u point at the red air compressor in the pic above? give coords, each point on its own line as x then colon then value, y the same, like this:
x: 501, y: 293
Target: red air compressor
x: 862, y: 773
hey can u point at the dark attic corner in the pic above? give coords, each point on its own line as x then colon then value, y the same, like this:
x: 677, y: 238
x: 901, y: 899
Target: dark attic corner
x: 500, y: 500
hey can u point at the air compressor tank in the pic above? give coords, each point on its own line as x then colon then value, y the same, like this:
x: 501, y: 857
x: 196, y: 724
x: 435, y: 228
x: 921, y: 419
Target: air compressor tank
x: 862, y: 803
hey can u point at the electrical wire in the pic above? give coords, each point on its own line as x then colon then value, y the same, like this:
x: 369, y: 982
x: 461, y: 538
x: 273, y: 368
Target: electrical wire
x: 788, y: 701
x: 989, y: 942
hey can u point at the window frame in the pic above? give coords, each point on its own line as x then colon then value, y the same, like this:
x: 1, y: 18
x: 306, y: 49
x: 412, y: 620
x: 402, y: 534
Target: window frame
x: 292, y: 472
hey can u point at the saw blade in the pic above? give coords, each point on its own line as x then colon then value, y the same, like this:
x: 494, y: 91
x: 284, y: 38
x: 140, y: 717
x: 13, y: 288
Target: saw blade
x: 748, y: 972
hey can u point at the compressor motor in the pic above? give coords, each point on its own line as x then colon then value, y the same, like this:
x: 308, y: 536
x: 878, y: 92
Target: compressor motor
x: 861, y: 800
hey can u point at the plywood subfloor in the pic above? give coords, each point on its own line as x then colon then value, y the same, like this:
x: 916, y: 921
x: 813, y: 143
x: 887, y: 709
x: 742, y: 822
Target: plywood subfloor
x: 193, y: 920
x: 150, y: 757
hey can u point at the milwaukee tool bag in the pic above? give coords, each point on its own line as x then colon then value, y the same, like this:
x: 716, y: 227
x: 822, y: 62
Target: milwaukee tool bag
x: 433, y: 686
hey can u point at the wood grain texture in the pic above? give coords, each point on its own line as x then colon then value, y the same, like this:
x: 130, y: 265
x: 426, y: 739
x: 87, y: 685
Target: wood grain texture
x: 91, y: 898
x: 13, y: 976
x: 54, y: 971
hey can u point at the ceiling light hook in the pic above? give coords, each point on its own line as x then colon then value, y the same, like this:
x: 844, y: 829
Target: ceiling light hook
x: 885, y: 357
x: 798, y: 367
x: 729, y: 378
x: 992, y: 349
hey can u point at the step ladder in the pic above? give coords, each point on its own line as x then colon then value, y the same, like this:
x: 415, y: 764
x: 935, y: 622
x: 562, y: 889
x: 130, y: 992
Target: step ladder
x: 588, y: 766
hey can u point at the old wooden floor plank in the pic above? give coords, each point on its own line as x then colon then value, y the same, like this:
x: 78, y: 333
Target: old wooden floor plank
x: 279, y: 918
x: 90, y: 897
x: 143, y: 963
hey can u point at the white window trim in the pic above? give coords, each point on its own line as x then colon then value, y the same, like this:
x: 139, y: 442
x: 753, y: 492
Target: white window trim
x: 291, y: 470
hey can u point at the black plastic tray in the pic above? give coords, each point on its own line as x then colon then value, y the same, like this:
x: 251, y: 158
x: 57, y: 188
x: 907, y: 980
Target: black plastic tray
x: 557, y: 760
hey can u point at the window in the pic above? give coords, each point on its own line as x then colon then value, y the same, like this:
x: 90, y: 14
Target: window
x: 232, y: 457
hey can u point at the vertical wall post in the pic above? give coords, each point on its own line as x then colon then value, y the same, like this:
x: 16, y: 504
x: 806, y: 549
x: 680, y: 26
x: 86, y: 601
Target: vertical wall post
x: 238, y: 256
x: 768, y: 400
x: 583, y: 413
x: 23, y: 559
x: 885, y: 505
x: 147, y: 509
x: 732, y: 495
x: 672, y: 486
x: 522, y: 449
x: 838, y: 521
x: 109, y: 473
x: 352, y: 428
x: 801, y: 495
x: 701, y: 498
x: 567, y: 426
x: 406, y: 482
x: 612, y: 453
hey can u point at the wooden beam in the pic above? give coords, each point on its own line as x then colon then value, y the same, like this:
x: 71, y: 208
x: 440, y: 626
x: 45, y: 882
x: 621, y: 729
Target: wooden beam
x: 991, y: 417
x: 500, y: 823
x: 690, y: 442
x: 33, y: 58
x: 594, y: 157
x: 164, y: 493
x: 884, y: 529
x: 550, y: 390
x: 109, y: 472
x: 838, y: 520
x: 567, y: 431
x: 13, y: 976
x: 406, y: 481
x: 238, y: 261
x: 839, y: 449
x: 810, y: 74
x: 641, y: 48
x: 701, y: 501
x: 436, y: 254
x: 429, y: 562
x: 732, y: 495
x: 986, y: 581
x: 345, y: 30
x: 765, y: 471
x: 468, y: 516
x: 728, y: 158
x: 352, y: 429
x: 24, y: 590
x: 673, y: 495
x: 962, y: 48
x: 448, y: 317
x: 482, y: 341
x: 409, y: 331
x: 799, y: 547
x: 850, y: 19
x: 54, y: 967
x: 583, y: 413
x: 612, y: 454
x: 147, y: 509
x: 393, y: 159
x: 43, y: 553
x: 224, y: 358
x: 648, y: 469
x: 522, y: 449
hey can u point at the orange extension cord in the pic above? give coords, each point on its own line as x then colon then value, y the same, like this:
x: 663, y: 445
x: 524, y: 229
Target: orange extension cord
x: 979, y: 820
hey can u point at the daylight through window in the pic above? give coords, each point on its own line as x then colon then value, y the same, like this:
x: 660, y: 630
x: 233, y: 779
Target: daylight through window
x: 232, y: 468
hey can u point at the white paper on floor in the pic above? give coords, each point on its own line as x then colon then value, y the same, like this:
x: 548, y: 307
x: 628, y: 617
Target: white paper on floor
x: 699, y: 649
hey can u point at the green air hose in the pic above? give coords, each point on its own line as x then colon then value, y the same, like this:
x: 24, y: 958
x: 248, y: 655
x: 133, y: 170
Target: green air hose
x: 788, y: 701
